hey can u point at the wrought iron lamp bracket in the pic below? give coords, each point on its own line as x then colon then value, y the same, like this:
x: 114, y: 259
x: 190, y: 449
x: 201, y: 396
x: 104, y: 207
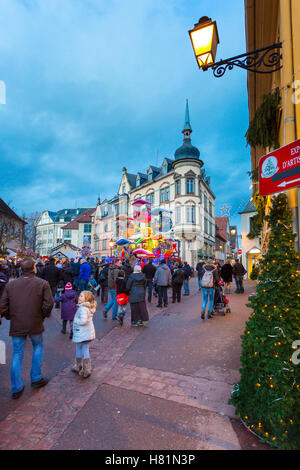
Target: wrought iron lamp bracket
x: 264, y: 60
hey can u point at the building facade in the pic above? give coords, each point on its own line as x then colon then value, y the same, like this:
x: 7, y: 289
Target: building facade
x: 11, y: 229
x: 179, y: 187
x: 251, y: 249
x: 49, y: 228
x: 269, y: 22
x: 78, y: 232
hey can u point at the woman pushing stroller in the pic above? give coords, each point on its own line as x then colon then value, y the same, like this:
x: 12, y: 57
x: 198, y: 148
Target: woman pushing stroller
x: 209, y: 278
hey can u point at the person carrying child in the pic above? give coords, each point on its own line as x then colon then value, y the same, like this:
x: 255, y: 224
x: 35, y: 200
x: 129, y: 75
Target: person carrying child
x: 68, y: 302
x: 84, y: 333
x: 121, y: 295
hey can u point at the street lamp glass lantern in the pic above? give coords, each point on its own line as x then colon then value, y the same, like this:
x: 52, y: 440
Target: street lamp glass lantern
x: 111, y: 244
x: 205, y: 39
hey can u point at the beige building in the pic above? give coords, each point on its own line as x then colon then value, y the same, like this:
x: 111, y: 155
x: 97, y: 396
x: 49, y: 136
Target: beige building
x: 180, y: 188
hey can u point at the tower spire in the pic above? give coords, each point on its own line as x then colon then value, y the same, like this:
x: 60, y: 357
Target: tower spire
x: 187, y: 129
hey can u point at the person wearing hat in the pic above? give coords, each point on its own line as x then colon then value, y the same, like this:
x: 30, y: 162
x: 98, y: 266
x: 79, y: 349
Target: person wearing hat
x: 136, y: 286
x: 68, y: 308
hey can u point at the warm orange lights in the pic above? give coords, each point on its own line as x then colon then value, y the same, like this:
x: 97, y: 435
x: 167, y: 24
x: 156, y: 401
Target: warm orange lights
x: 205, y: 40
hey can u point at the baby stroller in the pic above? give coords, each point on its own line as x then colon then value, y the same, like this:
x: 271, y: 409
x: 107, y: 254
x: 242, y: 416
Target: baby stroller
x: 220, y: 300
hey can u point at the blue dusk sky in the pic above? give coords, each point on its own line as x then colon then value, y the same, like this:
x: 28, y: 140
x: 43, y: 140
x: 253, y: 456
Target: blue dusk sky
x: 95, y: 85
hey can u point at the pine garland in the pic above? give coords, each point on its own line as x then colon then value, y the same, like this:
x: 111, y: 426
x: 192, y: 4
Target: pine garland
x: 263, y: 129
x: 268, y: 395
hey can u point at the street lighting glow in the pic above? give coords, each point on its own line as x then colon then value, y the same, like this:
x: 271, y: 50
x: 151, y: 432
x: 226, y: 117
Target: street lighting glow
x: 205, y: 39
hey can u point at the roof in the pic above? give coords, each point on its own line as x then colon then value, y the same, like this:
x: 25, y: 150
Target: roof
x: 131, y: 179
x: 222, y: 224
x: 66, y: 214
x: 5, y: 209
x: 250, y: 207
x: 84, y: 218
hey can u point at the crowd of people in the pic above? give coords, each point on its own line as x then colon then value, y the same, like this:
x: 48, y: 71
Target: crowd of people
x: 73, y: 287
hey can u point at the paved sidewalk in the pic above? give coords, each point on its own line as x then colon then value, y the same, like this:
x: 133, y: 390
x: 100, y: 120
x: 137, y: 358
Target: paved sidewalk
x: 165, y: 386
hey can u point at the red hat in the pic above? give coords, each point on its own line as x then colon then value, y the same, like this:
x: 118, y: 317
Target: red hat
x: 68, y: 286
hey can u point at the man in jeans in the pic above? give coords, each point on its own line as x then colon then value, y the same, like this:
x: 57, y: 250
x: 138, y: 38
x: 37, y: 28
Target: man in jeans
x: 149, y: 270
x: 163, y: 279
x: 26, y: 302
x: 239, y: 272
x: 113, y: 273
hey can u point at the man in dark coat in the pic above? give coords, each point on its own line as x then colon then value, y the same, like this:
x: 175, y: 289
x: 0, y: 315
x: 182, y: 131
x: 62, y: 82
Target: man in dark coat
x: 52, y: 274
x: 187, y: 274
x: 177, y: 281
x: 239, y: 271
x: 149, y: 270
x: 162, y: 279
x: 26, y: 302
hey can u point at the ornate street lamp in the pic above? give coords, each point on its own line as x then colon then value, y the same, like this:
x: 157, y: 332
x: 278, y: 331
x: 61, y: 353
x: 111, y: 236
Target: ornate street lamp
x: 205, y: 39
x: 111, y: 245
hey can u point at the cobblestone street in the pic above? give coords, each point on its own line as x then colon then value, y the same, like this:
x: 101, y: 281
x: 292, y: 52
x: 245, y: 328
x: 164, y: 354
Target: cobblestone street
x: 165, y: 386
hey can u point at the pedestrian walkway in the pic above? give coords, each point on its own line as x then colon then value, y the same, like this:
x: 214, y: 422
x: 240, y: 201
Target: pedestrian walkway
x: 173, y: 377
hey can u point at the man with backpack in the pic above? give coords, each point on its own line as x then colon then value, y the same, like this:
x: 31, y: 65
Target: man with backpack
x: 187, y: 274
x: 209, y: 277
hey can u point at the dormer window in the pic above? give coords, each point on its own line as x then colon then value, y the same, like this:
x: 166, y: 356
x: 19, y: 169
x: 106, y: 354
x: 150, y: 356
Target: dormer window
x: 138, y: 181
x: 150, y: 175
x: 165, y: 169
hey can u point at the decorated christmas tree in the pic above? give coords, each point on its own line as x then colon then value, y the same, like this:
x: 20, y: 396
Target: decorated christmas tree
x: 267, y: 397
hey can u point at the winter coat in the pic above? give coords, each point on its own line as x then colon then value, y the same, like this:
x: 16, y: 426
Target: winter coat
x: 4, y: 278
x: 67, y: 275
x: 121, y: 285
x: 199, y: 267
x: 83, y: 326
x: 136, y: 285
x: 52, y: 274
x: 163, y: 276
x: 103, y: 276
x: 187, y: 271
x: 113, y: 273
x: 149, y: 270
x: 85, y: 272
x: 226, y: 272
x: 178, y: 276
x: 128, y: 270
x: 68, y: 305
x: 26, y: 302
x: 238, y: 270
x: 39, y: 270
x: 75, y: 268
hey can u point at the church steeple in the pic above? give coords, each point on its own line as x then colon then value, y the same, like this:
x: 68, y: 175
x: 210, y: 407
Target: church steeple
x: 187, y: 129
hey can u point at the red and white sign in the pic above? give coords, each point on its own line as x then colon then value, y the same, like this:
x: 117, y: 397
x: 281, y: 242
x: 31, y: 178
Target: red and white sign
x: 240, y: 252
x: 280, y: 170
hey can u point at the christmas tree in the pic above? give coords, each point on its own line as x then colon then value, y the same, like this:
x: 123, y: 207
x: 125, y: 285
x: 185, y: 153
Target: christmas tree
x: 267, y: 397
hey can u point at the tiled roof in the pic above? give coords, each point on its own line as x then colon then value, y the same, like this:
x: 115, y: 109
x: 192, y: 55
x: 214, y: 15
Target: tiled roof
x: 85, y: 218
x: 249, y: 207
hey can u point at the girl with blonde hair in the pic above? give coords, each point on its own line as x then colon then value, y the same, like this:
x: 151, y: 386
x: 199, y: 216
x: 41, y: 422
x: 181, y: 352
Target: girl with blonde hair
x: 84, y: 333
